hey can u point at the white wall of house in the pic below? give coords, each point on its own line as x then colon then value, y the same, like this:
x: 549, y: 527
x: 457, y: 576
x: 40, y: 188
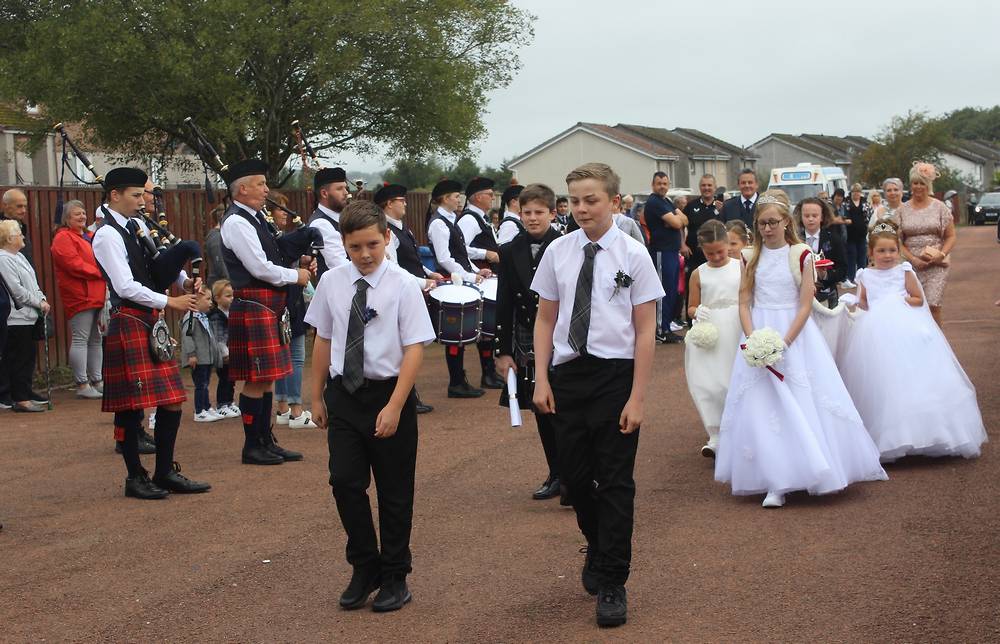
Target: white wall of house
x: 551, y: 165
x: 716, y: 167
x: 968, y: 169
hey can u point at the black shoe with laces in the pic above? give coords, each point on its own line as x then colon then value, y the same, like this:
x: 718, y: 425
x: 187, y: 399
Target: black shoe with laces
x: 393, y: 594
x: 668, y: 338
x: 464, y: 390
x: 174, y: 481
x: 491, y: 380
x: 146, y: 446
x: 270, y: 443
x: 140, y: 487
x: 591, y: 582
x: 547, y: 490
x: 364, y: 581
x: 612, y: 606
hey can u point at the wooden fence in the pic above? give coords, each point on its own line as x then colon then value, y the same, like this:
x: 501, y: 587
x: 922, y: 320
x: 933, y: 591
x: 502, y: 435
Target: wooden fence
x: 188, y: 212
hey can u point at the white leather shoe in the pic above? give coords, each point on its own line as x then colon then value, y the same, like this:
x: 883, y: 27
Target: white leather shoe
x: 773, y: 500
x: 302, y: 422
x: 282, y: 418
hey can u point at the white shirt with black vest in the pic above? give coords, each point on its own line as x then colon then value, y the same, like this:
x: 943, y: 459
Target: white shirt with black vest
x: 399, y: 317
x: 110, y: 253
x: 392, y: 247
x: 333, y: 251
x: 508, y: 229
x: 439, y: 236
x: 611, y: 334
x: 239, y: 236
x: 470, y: 228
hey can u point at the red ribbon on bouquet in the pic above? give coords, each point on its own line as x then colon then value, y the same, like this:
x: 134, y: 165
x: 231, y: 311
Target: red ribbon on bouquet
x: 777, y: 373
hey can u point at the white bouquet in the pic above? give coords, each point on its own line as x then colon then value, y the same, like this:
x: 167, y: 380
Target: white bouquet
x: 764, y: 348
x: 703, y: 335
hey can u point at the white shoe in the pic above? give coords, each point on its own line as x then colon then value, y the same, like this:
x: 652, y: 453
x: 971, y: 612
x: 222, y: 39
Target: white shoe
x: 234, y: 410
x: 674, y: 327
x: 848, y: 284
x: 708, y: 451
x: 98, y: 386
x: 304, y: 421
x: 205, y: 417
x: 282, y: 418
x: 773, y: 500
x: 215, y: 412
x: 89, y: 392
x: 226, y: 411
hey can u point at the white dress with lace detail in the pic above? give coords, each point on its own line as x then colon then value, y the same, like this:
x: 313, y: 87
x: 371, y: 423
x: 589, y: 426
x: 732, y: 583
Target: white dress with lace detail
x: 904, y: 378
x: 800, y: 433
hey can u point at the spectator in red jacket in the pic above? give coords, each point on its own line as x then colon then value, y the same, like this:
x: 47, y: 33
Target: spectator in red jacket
x: 83, y: 292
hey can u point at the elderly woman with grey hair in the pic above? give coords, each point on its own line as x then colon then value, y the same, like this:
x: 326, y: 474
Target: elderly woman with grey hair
x: 27, y: 303
x: 83, y: 292
x: 893, y: 189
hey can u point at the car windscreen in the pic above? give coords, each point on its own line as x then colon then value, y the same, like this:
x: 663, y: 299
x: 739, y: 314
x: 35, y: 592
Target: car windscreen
x: 990, y: 199
x: 797, y: 193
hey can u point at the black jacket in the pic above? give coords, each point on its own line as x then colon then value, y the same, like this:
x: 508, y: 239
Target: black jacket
x: 517, y: 304
x: 733, y: 209
x: 831, y: 244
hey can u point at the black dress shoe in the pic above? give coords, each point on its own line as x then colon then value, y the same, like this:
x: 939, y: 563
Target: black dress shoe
x: 668, y: 338
x: 140, y: 487
x: 612, y: 606
x: 393, y: 595
x: 424, y: 409
x: 146, y: 436
x: 364, y: 581
x: 271, y: 445
x: 146, y: 446
x: 176, y: 482
x: 591, y: 583
x: 259, y: 455
x: 564, y: 496
x: 464, y: 390
x: 548, y: 490
x: 491, y: 381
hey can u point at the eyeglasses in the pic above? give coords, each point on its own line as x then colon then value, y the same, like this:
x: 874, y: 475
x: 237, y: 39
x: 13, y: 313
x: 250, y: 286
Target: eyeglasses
x: 769, y: 223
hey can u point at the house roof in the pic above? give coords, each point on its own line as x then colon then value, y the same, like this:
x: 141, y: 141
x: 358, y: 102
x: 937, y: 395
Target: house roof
x: 985, y: 149
x: 673, y: 140
x: 837, y: 149
x: 642, y: 145
x: 14, y: 117
x: 962, y: 149
x: 734, y: 150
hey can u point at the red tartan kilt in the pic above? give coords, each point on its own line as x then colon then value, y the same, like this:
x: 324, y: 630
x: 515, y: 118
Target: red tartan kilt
x: 255, y: 350
x: 129, y: 362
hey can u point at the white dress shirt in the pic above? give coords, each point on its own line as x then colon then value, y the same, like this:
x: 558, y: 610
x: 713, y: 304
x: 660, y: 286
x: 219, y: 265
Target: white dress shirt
x: 744, y: 201
x: 110, y: 253
x: 239, y: 236
x: 812, y: 240
x: 391, y: 251
x: 611, y: 333
x: 470, y: 228
x: 333, y: 251
x: 508, y: 229
x: 439, y: 235
x: 401, y: 318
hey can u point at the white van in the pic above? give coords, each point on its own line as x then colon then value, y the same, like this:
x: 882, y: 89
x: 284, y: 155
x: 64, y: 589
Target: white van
x: 807, y: 180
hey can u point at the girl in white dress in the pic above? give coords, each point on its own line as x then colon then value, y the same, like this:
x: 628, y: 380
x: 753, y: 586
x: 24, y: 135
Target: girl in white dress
x: 907, y: 384
x: 793, y: 428
x: 712, y: 343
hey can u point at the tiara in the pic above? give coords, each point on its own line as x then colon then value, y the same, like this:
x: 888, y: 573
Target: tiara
x: 883, y: 227
x: 768, y: 199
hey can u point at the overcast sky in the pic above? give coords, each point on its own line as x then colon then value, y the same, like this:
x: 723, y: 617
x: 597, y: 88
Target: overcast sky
x: 740, y: 70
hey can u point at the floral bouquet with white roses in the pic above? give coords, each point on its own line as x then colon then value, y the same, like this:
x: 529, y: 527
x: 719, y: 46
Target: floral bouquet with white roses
x: 764, y: 348
x: 703, y: 335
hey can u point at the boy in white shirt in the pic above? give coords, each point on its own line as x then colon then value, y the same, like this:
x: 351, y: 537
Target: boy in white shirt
x: 596, y: 323
x: 371, y: 326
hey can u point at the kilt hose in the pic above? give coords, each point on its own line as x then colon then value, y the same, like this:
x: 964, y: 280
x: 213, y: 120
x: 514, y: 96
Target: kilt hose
x: 132, y: 379
x: 255, y: 350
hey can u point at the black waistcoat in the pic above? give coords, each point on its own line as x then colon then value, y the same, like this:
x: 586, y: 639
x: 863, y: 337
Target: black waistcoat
x: 238, y: 274
x: 138, y: 263
x: 321, y: 266
x: 456, y: 246
x: 485, y: 239
x: 407, y: 255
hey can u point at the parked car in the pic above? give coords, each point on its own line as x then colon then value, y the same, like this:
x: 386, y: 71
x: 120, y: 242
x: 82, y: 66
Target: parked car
x: 987, y: 210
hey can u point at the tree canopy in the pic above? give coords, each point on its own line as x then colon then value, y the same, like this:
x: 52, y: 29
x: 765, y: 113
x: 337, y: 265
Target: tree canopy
x: 412, y: 75
x: 905, y: 139
x: 423, y: 173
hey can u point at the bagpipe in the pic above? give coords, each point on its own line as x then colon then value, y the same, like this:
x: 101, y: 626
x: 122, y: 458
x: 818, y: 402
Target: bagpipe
x: 293, y: 245
x: 168, y: 253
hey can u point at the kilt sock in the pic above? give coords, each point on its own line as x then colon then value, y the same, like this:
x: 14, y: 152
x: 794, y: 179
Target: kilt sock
x: 127, y: 426
x: 454, y: 357
x: 165, y: 435
x: 486, y: 356
x: 264, y: 422
x: 250, y: 408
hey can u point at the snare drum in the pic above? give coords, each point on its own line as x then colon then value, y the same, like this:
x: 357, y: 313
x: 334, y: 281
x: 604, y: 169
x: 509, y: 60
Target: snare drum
x: 488, y: 318
x: 455, y: 313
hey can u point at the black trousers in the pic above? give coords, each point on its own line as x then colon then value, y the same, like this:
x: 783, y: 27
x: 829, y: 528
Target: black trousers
x: 547, y: 434
x: 19, y: 361
x: 355, y: 455
x: 596, y: 459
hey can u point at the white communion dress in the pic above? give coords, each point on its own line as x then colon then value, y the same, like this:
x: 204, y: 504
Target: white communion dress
x: 709, y: 369
x: 799, y: 433
x: 904, y: 378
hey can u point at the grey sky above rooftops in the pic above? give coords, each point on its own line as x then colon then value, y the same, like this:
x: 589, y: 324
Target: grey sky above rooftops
x: 740, y: 70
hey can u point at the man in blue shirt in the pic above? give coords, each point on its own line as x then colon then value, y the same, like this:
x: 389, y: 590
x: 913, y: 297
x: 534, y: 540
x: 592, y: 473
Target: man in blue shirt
x: 666, y: 227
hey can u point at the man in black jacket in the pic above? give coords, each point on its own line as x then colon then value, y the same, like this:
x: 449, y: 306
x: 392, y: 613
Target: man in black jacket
x: 743, y: 206
x: 814, y: 217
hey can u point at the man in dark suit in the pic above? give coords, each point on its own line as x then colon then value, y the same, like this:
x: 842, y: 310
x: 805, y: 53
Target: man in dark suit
x: 814, y: 217
x: 745, y: 205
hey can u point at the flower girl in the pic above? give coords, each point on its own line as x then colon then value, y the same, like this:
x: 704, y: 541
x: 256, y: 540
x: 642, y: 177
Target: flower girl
x: 713, y: 304
x: 789, y: 423
x: 905, y: 380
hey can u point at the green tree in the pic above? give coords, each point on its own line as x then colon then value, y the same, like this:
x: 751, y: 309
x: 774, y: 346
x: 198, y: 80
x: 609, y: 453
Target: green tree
x: 415, y: 173
x: 410, y: 75
x: 974, y: 123
x: 905, y: 139
x: 463, y: 170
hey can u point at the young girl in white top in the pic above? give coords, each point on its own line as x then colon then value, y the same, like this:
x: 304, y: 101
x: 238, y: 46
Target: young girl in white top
x: 907, y: 384
x: 792, y: 426
x: 712, y: 343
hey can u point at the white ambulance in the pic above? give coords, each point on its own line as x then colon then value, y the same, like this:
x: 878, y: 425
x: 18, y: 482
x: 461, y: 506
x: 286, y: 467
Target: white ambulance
x: 807, y: 180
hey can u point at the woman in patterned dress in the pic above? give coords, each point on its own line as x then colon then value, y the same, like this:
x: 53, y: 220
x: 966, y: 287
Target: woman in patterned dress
x: 927, y: 233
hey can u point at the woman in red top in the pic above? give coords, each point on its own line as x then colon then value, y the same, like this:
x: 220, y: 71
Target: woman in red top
x: 83, y: 292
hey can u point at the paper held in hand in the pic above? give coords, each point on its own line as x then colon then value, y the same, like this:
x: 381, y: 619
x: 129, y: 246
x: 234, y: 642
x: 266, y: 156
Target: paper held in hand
x: 515, y: 409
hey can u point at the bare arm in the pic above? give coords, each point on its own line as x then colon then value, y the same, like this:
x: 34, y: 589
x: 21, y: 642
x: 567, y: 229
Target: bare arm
x: 914, y: 296
x: 320, y: 372
x: 388, y: 419
x: 694, y: 294
x: 644, y: 321
x: 949, y: 239
x: 806, y: 293
x: 862, y: 297
x: 545, y: 324
x: 746, y: 320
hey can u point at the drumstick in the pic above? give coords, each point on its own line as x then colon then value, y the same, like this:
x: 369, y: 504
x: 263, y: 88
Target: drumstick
x: 515, y: 409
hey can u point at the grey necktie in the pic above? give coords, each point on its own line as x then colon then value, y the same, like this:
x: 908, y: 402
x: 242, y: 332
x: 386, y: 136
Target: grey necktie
x: 579, y: 324
x: 354, y: 350
x: 534, y: 250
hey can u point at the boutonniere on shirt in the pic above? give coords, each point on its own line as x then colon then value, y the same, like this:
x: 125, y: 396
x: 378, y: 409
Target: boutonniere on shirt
x: 622, y: 280
x: 369, y: 315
